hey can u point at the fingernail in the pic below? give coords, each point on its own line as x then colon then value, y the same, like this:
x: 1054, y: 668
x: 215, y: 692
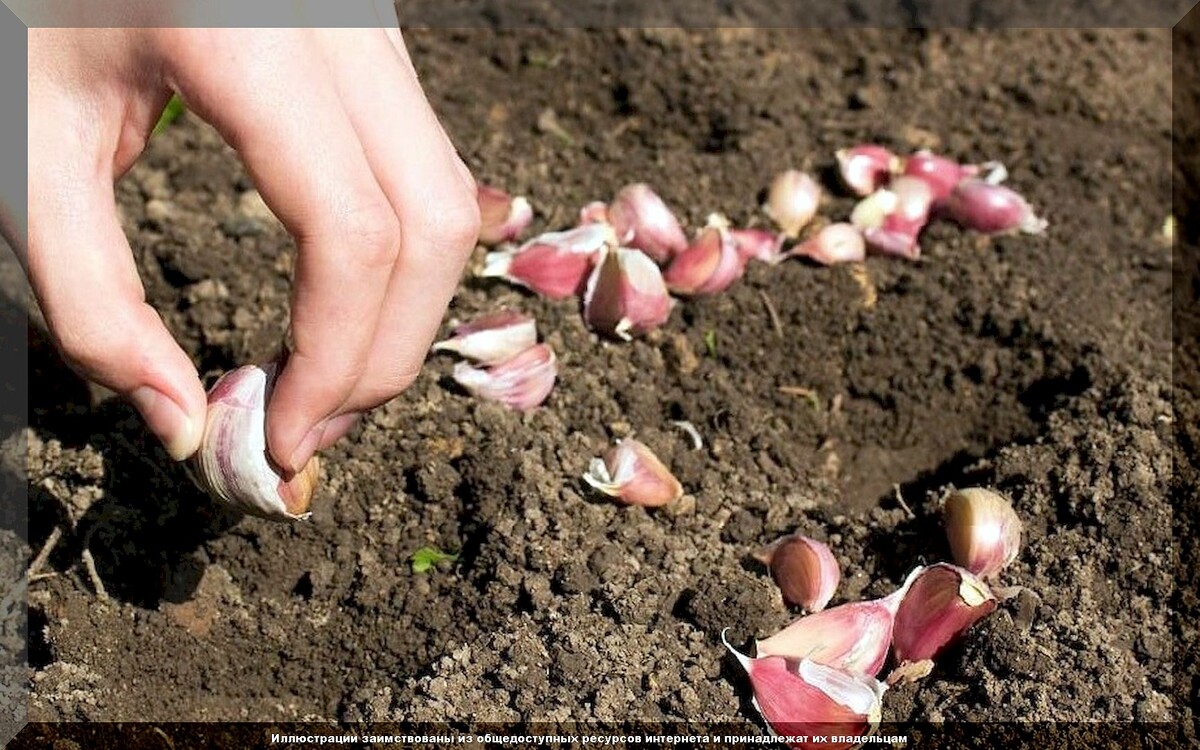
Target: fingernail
x: 307, y: 447
x: 180, y: 434
x: 337, y: 428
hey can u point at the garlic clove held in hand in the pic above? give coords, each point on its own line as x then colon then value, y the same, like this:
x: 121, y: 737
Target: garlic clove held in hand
x: 232, y: 464
x: 631, y: 473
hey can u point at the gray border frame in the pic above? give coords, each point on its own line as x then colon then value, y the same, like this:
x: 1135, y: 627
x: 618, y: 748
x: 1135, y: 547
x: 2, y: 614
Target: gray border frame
x: 20, y: 15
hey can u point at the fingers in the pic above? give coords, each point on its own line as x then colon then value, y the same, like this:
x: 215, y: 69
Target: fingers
x: 273, y: 100
x: 82, y: 272
x: 430, y: 190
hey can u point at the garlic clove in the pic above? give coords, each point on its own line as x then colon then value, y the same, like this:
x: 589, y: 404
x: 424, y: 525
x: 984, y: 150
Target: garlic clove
x: 892, y: 218
x: 866, y: 168
x: 991, y: 208
x: 942, y: 602
x: 983, y: 530
x: 626, y: 294
x: 758, y: 244
x: 802, y: 698
x: 595, y: 212
x: 805, y: 570
x: 939, y: 172
x: 233, y: 465
x: 870, y: 212
x: 644, y: 222
x: 632, y: 473
x: 792, y: 201
x: 493, y: 338
x: 840, y: 242
x: 521, y: 383
x: 554, y: 264
x: 853, y: 636
x: 709, y: 265
x: 502, y: 217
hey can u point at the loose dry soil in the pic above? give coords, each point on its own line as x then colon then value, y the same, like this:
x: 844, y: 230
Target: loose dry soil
x: 1037, y: 366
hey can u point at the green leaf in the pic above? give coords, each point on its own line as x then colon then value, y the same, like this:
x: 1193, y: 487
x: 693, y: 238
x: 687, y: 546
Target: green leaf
x: 710, y: 342
x: 169, y: 114
x: 426, y: 558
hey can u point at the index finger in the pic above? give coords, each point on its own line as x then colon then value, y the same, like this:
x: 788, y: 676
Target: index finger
x: 273, y: 99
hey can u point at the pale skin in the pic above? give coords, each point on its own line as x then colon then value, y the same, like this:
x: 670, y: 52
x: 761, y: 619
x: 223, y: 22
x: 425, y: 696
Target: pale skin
x: 340, y: 140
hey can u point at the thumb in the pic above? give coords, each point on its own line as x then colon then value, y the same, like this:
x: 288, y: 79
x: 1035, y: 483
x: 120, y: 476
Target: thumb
x: 82, y: 272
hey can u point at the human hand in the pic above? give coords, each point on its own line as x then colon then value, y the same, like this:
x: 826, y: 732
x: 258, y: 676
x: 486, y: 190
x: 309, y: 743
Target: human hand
x: 336, y: 132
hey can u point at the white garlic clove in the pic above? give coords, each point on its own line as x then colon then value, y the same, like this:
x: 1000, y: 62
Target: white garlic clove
x: 983, y: 530
x: 493, y: 338
x: 792, y: 201
x: 233, y: 465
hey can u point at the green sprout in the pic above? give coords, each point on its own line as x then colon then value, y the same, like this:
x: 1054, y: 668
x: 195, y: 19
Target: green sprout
x: 710, y: 342
x: 424, y: 559
x: 169, y: 114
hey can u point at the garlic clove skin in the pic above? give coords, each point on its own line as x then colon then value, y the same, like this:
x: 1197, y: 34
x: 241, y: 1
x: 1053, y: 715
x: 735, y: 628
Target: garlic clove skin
x: 854, y: 637
x: 983, y: 530
x: 502, y: 217
x: 709, y: 265
x: 941, y: 604
x: 521, y: 383
x: 992, y: 209
x: 866, y: 168
x: 643, y: 221
x: 626, y: 295
x: 800, y: 698
x: 805, y: 570
x: 631, y: 473
x: 493, y: 338
x: 554, y: 264
x: 233, y: 464
x: 836, y: 243
x: 792, y: 201
x: 758, y: 244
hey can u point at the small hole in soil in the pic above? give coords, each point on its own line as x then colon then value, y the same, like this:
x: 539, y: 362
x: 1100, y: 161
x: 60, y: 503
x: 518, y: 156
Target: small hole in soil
x: 40, y: 652
x: 682, y: 603
x: 304, y: 587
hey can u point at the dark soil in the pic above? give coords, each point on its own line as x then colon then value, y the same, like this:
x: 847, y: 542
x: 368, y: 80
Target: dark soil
x: 1037, y: 366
